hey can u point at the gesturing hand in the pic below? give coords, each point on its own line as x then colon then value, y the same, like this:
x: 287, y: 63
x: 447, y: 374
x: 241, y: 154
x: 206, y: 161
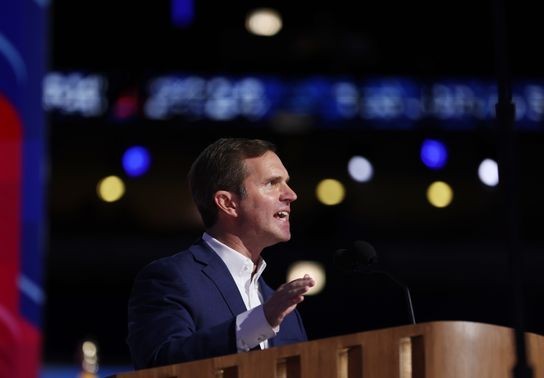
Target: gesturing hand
x: 285, y: 299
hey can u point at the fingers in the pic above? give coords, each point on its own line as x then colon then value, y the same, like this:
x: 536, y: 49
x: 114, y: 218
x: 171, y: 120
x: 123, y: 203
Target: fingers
x: 285, y: 299
x: 301, y: 285
x: 305, y: 281
x: 296, y: 287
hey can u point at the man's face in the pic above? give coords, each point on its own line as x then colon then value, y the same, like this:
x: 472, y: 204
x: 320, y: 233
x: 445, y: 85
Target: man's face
x: 265, y: 210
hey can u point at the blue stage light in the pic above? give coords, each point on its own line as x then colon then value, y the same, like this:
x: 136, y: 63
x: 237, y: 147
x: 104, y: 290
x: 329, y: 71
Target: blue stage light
x: 183, y: 13
x: 434, y: 154
x: 136, y: 161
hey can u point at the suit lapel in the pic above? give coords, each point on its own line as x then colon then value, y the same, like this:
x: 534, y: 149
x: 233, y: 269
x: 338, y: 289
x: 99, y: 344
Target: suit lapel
x: 266, y: 291
x: 216, y: 270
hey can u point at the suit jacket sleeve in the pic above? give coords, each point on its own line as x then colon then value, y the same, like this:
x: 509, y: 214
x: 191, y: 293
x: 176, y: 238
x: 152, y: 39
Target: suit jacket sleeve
x: 175, y: 316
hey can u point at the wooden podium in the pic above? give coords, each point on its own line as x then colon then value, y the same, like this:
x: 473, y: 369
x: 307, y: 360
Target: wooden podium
x: 444, y: 349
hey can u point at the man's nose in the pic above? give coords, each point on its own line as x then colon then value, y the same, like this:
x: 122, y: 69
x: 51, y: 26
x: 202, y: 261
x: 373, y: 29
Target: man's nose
x: 289, y: 194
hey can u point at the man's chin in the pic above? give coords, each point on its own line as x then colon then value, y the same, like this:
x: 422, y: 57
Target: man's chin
x: 286, y: 237
x: 282, y: 238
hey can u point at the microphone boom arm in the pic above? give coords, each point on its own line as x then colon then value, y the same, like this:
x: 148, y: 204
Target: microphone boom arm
x: 407, y: 295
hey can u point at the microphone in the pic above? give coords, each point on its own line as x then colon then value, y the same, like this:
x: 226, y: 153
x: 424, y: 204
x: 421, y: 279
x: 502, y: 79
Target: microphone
x: 358, y: 259
x: 362, y: 254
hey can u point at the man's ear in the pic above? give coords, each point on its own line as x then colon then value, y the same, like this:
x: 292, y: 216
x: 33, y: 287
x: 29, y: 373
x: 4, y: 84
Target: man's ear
x: 226, y: 202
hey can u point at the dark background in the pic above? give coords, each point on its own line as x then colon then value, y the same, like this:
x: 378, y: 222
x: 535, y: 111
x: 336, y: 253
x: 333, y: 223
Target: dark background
x: 454, y: 260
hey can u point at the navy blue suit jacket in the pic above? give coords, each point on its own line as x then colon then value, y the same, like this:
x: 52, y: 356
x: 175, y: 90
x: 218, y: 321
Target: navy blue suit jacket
x: 183, y: 307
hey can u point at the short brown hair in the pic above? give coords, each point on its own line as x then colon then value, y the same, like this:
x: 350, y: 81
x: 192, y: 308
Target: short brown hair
x: 220, y: 166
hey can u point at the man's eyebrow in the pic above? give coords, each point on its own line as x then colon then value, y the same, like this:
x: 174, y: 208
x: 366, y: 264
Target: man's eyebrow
x: 278, y: 178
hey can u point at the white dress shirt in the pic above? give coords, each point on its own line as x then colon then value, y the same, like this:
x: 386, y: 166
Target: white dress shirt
x: 252, y: 328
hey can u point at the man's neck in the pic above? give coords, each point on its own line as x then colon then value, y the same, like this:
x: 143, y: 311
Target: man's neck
x: 236, y: 243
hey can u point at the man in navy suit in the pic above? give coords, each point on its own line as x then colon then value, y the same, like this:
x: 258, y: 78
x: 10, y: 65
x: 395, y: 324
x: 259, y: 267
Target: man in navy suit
x: 210, y: 299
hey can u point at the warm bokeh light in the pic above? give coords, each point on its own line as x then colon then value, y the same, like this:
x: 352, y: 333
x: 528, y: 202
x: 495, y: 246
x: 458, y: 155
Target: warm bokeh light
x: 313, y: 269
x: 110, y: 189
x: 360, y: 169
x: 136, y: 161
x: 89, y: 361
x: 488, y: 172
x: 89, y: 349
x: 330, y: 192
x: 439, y: 194
x: 264, y: 22
x: 434, y: 154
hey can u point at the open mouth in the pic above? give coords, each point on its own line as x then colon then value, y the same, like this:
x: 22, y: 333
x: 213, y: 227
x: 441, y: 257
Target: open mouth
x: 282, y: 215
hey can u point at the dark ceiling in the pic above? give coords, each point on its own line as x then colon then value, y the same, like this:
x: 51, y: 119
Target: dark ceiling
x: 391, y: 38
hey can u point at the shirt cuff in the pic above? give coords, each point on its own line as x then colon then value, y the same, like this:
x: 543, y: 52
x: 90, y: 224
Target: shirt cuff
x: 252, y: 328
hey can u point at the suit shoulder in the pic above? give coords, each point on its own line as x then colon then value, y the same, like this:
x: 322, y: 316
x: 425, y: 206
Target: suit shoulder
x: 186, y: 259
x: 166, y: 263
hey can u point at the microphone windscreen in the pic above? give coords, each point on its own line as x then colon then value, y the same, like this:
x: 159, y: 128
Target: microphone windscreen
x: 360, y: 254
x: 365, y: 252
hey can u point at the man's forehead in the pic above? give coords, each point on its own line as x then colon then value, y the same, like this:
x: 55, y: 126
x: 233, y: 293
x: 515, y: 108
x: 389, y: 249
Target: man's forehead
x: 269, y: 165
